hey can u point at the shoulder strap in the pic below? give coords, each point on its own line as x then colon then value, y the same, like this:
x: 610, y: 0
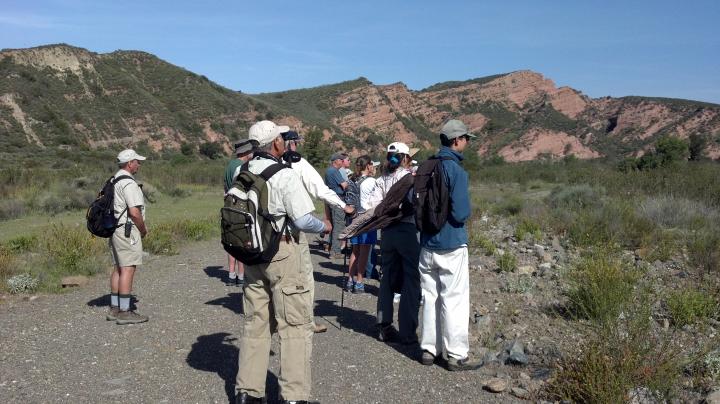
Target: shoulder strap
x: 122, y: 177
x: 272, y: 170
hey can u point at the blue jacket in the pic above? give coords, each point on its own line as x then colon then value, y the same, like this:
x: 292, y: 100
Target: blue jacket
x: 453, y: 233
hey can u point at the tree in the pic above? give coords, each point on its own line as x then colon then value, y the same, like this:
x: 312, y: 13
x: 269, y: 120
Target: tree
x: 187, y: 149
x: 697, y: 146
x: 314, y: 149
x: 671, y: 149
x: 212, y: 150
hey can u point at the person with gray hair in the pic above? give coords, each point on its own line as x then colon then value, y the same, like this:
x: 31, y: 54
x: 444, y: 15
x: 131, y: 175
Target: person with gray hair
x: 126, y: 242
x: 278, y: 292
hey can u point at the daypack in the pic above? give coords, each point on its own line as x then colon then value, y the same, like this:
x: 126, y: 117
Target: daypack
x: 246, y: 225
x: 432, y: 196
x: 100, y: 215
x: 352, y: 197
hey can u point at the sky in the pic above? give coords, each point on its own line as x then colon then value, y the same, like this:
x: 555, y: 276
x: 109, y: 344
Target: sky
x: 602, y: 48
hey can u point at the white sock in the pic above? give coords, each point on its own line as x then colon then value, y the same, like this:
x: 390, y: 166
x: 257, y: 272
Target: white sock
x: 232, y: 275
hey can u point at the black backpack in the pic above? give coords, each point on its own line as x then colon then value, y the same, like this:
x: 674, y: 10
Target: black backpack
x: 432, y: 196
x: 100, y: 215
x: 246, y: 225
x: 352, y: 197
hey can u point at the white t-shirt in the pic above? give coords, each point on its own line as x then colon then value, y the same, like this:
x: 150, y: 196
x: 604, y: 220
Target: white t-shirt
x: 367, y: 187
x: 127, y: 194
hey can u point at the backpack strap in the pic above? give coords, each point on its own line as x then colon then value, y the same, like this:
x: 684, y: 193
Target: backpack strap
x: 272, y: 170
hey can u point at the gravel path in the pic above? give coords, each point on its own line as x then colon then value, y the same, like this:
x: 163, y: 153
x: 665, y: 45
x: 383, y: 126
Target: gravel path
x: 60, y: 348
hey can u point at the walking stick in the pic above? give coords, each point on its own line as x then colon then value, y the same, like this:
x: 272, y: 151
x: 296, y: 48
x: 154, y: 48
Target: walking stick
x: 346, y: 269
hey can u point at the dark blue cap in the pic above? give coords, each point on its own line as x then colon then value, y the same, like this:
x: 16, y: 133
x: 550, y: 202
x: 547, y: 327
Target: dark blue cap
x: 291, y: 135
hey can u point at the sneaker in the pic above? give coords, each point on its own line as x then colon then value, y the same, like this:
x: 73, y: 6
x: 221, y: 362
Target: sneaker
x: 230, y: 281
x: 387, y: 333
x: 349, y: 285
x: 359, y: 288
x: 112, y: 313
x: 130, y: 317
x: 239, y: 281
x: 396, y: 298
x: 455, y: 365
x: 427, y: 358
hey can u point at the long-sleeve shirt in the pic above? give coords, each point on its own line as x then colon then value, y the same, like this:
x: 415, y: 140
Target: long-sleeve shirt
x: 383, y: 185
x: 315, y: 185
x: 453, y: 234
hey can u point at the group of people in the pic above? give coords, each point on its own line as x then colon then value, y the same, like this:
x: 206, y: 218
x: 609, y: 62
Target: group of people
x: 278, y: 296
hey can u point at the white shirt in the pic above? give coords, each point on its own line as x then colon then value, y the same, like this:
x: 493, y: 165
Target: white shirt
x: 367, y: 187
x: 315, y: 185
x: 383, y: 185
x: 127, y: 194
x: 286, y: 196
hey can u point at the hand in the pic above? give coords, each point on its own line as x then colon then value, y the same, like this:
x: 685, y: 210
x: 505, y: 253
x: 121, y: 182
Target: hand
x: 143, y: 234
x: 328, y: 226
x: 349, y: 209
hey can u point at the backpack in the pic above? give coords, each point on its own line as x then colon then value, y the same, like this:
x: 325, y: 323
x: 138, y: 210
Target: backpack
x: 352, y: 197
x: 432, y: 196
x: 100, y: 215
x: 246, y: 225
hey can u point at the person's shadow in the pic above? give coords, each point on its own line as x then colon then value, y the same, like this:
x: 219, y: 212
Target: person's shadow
x: 216, y: 272
x: 233, y: 301
x: 104, y: 301
x: 216, y: 353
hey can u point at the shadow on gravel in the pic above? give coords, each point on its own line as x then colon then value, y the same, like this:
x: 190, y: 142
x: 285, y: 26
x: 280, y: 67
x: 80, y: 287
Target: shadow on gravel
x: 335, y: 266
x: 216, y: 272
x: 337, y: 280
x: 233, y: 301
x: 356, y: 320
x: 104, y: 301
x: 216, y: 353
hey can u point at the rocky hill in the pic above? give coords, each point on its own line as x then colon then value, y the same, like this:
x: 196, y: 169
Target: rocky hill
x: 62, y: 96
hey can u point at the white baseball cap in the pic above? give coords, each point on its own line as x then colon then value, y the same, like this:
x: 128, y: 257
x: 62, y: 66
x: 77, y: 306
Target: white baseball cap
x: 400, y: 147
x: 128, y: 155
x: 375, y: 163
x: 264, y: 132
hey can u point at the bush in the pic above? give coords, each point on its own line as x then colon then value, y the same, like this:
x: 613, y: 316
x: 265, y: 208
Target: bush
x: 165, y: 238
x: 506, y: 262
x: 704, y: 250
x: 11, y: 208
x: 72, y: 250
x: 600, y: 286
x: 690, y: 306
x: 676, y: 212
x: 528, y: 228
x: 7, y: 263
x: 478, y: 240
x: 22, y: 283
x: 22, y: 244
x: 510, y: 206
x: 576, y: 197
x: 211, y: 150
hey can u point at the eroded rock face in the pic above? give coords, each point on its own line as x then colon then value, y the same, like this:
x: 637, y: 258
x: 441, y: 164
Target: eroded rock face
x: 538, y: 142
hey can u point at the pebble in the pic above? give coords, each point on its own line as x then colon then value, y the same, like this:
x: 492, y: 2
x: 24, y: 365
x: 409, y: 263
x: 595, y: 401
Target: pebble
x: 520, y: 392
x: 495, y: 385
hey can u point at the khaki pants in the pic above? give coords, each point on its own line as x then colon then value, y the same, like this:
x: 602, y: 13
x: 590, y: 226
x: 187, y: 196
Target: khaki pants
x: 277, y: 292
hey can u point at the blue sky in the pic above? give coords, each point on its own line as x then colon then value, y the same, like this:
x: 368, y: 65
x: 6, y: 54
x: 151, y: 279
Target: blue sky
x: 616, y: 48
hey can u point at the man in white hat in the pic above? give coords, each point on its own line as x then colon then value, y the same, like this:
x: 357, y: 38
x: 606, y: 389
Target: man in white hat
x: 126, y: 242
x: 279, y: 292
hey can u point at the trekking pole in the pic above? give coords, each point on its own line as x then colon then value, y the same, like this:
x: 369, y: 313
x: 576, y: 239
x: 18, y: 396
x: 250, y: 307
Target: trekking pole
x: 346, y: 269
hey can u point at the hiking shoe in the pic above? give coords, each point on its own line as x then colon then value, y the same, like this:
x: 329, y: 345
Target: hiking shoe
x: 245, y: 398
x: 358, y: 288
x: 112, y: 313
x: 239, y: 281
x: 427, y: 358
x: 319, y: 328
x: 130, y: 317
x: 387, y: 333
x: 455, y: 365
x: 230, y: 281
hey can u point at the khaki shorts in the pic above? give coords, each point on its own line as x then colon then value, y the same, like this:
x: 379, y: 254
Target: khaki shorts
x: 126, y: 251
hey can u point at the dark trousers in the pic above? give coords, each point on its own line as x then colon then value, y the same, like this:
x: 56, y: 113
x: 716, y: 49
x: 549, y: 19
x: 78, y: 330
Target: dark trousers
x: 400, y: 252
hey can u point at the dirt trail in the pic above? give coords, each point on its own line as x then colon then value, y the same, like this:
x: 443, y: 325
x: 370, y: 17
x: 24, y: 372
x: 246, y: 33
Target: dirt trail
x: 60, y: 348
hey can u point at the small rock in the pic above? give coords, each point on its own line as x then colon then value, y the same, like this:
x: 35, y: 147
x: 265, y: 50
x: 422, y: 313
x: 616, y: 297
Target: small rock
x: 516, y: 354
x: 495, y: 385
x: 520, y: 392
x: 490, y: 357
x: 539, y: 250
x: 73, y: 281
x: 526, y: 270
x: 713, y: 397
x: 666, y: 324
x: 524, y: 376
x: 556, y: 245
x: 547, y: 257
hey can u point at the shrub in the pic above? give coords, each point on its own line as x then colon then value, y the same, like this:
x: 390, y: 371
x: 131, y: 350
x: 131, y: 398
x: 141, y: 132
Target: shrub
x: 600, y: 286
x: 11, y: 208
x: 7, y: 263
x: 528, y: 228
x: 71, y: 250
x: 160, y: 241
x: 510, y: 206
x: 212, y: 150
x: 478, y: 240
x: 506, y: 262
x: 22, y: 244
x: 520, y: 284
x: 22, y: 283
x: 576, y: 197
x: 704, y: 250
x: 690, y: 306
x: 676, y: 212
x: 165, y: 238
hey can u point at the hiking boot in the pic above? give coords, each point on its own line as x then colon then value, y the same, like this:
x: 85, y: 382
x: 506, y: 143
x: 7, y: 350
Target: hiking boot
x: 359, y: 288
x: 319, y: 328
x: 112, y: 313
x: 463, y: 364
x: 427, y: 358
x: 239, y: 282
x: 130, y: 317
x: 387, y: 333
x: 245, y: 398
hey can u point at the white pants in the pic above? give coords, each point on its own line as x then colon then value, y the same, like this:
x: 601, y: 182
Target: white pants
x: 445, y: 283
